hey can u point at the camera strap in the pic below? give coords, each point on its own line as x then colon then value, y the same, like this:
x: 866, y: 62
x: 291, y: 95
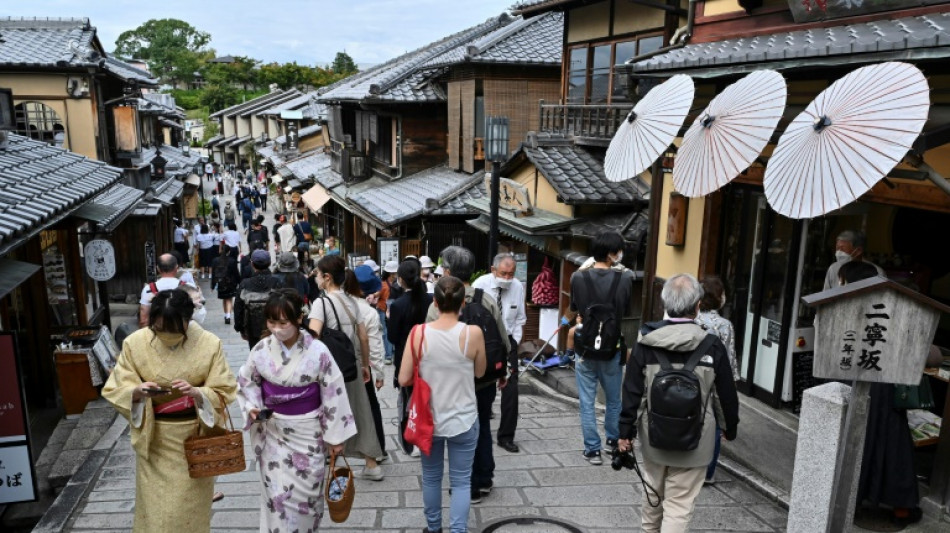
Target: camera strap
x: 647, y: 488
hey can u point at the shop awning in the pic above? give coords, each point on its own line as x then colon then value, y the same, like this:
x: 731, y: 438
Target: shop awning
x: 13, y: 273
x: 482, y: 223
x: 316, y: 198
x: 111, y: 207
x: 540, y: 220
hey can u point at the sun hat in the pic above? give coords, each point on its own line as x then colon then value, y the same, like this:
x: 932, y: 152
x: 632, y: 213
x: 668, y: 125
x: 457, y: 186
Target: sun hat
x: 391, y: 266
x: 426, y: 262
x: 372, y: 264
x: 287, y: 262
x: 260, y: 258
x: 368, y: 281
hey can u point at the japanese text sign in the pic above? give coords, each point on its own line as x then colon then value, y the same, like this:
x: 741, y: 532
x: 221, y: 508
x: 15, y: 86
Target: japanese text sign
x: 12, y: 425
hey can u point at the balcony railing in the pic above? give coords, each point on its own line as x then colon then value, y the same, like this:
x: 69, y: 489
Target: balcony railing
x: 594, y: 123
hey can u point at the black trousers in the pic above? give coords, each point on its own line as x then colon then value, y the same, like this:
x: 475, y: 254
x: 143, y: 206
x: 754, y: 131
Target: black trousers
x: 483, y: 466
x: 509, y: 399
x: 377, y: 415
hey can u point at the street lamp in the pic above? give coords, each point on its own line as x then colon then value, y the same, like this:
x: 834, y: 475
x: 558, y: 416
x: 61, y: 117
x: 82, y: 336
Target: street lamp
x: 496, y: 151
x: 158, y: 165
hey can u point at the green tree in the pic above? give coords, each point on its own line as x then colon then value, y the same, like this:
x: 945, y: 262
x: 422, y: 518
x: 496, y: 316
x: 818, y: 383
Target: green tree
x: 243, y: 71
x: 343, y: 64
x: 218, y: 96
x: 172, y: 48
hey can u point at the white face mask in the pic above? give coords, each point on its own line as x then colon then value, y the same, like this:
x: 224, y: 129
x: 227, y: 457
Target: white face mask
x: 619, y: 258
x: 841, y: 255
x: 199, y: 315
x: 503, y: 283
x: 284, y: 334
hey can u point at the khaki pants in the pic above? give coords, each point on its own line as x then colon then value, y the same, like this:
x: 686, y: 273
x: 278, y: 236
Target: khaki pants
x: 678, y: 488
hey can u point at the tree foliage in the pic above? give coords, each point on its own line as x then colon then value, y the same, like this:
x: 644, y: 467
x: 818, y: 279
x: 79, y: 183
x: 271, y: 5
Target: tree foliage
x: 218, y: 96
x: 242, y: 71
x: 343, y: 65
x: 173, y: 49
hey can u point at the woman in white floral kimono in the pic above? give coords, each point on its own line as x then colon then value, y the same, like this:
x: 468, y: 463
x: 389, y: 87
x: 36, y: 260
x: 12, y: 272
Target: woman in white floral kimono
x: 292, y: 378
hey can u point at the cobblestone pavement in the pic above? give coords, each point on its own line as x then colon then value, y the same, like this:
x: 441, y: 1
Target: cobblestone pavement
x: 549, y: 478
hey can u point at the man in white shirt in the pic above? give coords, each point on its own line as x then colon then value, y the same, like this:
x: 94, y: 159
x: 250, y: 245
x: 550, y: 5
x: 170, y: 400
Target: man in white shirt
x: 181, y: 239
x: 288, y: 239
x: 501, y: 285
x: 167, y: 280
x: 209, y: 171
x: 849, y: 246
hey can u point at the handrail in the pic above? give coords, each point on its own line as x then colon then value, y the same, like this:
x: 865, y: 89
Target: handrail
x: 582, y: 120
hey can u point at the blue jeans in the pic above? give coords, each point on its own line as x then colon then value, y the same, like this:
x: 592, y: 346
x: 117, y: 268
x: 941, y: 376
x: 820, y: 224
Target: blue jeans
x: 711, y: 469
x: 461, y: 452
x: 388, y: 345
x: 609, y: 375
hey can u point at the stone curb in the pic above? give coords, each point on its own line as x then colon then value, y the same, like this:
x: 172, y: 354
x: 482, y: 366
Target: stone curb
x: 61, y: 511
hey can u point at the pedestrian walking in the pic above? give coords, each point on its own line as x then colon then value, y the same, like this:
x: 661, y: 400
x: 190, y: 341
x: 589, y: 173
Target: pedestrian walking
x: 286, y: 235
x: 168, y: 278
x: 380, y: 300
x: 676, y: 450
x: 262, y: 191
x: 215, y: 205
x: 225, y: 280
x: 231, y: 241
x: 288, y: 274
x: 230, y: 215
x: 180, y: 239
x: 170, y: 379
x: 509, y: 294
x: 601, y: 294
x: 449, y: 355
x: 339, y: 310
x: 247, y: 212
x: 229, y: 183
x: 220, y: 184
x: 209, y: 171
x: 408, y: 310
x: 291, y: 438
x: 205, y: 242
x: 252, y: 295
x: 366, y: 282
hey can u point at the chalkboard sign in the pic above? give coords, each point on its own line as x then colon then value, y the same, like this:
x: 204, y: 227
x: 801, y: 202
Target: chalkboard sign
x: 802, y: 377
x: 151, y: 266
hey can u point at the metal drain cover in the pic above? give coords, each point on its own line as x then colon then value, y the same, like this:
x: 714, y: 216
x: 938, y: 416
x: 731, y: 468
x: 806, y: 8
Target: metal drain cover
x: 531, y: 524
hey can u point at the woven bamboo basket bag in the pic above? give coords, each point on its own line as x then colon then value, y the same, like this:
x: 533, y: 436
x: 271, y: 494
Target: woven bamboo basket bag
x: 340, y: 506
x: 218, y: 453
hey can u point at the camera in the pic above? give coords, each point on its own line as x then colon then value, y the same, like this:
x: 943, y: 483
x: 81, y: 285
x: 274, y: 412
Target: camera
x: 623, y: 460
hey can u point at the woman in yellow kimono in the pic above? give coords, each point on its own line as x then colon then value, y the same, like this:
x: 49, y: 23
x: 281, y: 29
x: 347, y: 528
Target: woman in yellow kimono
x: 169, y: 380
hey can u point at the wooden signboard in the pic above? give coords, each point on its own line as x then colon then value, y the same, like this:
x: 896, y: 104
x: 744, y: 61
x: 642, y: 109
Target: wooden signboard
x: 126, y: 129
x: 16, y: 467
x: 676, y: 220
x: 873, y: 330
x: 388, y: 251
x: 511, y: 195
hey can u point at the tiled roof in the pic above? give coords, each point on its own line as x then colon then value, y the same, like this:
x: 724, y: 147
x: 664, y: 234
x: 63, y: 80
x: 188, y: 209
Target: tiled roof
x: 310, y: 164
x: 406, y: 198
x: 236, y: 141
x: 110, y: 207
x: 404, y: 78
x: 40, y: 183
x: 328, y: 177
x: 159, y: 104
x: 525, y: 41
x: 301, y: 133
x: 214, y: 140
x: 228, y: 111
x: 305, y: 103
x: 908, y: 34
x: 167, y: 190
x: 60, y: 43
x: 577, y: 176
x: 174, y: 153
x: 532, y: 5
x: 268, y: 152
x: 456, y: 205
x: 264, y: 106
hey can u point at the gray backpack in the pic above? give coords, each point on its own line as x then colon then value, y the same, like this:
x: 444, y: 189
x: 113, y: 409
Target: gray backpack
x: 254, y: 321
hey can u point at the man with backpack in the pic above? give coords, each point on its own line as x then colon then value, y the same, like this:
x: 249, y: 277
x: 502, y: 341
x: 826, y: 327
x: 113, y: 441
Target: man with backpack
x: 508, y: 292
x: 679, y: 383
x: 247, y: 212
x: 601, y: 294
x: 480, y: 310
x: 252, y: 295
x: 167, y: 265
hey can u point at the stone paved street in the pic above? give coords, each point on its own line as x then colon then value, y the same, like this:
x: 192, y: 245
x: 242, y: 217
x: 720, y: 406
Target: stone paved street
x: 548, y: 478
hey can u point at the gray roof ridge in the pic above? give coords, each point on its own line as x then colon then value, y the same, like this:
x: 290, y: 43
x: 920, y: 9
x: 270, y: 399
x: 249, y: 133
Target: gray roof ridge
x: 27, y: 23
x: 242, y: 105
x: 425, y: 53
x: 290, y: 94
x: 475, y: 179
x: 491, y: 39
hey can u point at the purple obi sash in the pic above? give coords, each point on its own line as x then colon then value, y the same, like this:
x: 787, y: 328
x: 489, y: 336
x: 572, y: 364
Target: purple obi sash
x: 291, y: 400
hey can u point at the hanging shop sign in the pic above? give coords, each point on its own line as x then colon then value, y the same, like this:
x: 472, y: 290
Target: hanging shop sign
x: 388, y: 251
x: 100, y: 259
x: 293, y: 138
x: 521, y: 267
x: 17, y: 477
x: 151, y: 261
x: 512, y: 195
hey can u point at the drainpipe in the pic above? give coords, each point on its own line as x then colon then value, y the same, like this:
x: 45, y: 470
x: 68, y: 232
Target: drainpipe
x: 917, y: 161
x: 679, y: 39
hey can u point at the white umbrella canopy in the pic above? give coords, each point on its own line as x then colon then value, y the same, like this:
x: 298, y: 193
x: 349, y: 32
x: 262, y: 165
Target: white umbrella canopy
x: 847, y: 139
x: 730, y: 133
x: 649, y: 129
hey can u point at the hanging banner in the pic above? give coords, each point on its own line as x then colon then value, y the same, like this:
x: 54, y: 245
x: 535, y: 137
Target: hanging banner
x: 151, y: 261
x: 100, y: 259
x: 17, y: 478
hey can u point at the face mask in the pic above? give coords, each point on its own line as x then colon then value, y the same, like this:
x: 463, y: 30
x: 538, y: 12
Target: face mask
x: 619, y: 258
x: 284, y: 334
x: 170, y: 339
x: 503, y: 283
x: 199, y: 315
x: 841, y: 255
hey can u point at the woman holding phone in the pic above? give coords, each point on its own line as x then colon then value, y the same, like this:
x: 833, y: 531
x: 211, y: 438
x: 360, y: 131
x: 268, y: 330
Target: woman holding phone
x: 296, y: 409
x: 170, y: 380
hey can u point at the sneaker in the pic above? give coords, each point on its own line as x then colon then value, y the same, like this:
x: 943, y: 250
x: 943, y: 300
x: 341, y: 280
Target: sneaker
x: 415, y: 452
x: 476, y: 496
x: 389, y: 361
x: 374, y: 474
x: 227, y: 320
x: 383, y: 457
x: 611, y: 447
x: 710, y: 481
x: 594, y: 457
x: 486, y: 490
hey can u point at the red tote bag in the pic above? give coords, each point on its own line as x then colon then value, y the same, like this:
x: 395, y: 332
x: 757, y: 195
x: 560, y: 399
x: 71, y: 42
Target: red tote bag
x: 419, y: 426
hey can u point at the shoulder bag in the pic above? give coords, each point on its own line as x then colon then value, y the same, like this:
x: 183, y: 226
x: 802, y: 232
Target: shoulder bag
x: 419, y: 424
x: 339, y: 344
x: 217, y: 454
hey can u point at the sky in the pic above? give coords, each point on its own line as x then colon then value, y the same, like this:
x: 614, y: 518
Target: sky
x: 309, y: 32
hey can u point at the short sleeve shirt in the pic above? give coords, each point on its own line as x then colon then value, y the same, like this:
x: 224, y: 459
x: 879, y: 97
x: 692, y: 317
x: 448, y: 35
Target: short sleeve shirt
x: 162, y: 284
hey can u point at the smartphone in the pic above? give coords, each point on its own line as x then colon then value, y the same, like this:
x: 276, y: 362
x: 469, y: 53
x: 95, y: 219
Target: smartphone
x: 264, y: 414
x: 156, y: 391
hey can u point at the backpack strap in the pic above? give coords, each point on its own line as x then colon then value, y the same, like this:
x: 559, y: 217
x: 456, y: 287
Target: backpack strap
x: 477, y: 296
x: 153, y: 288
x: 700, y: 351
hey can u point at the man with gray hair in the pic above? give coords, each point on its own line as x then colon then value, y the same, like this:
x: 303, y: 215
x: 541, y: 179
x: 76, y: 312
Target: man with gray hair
x: 676, y: 472
x: 460, y: 263
x: 849, y: 246
x: 509, y: 294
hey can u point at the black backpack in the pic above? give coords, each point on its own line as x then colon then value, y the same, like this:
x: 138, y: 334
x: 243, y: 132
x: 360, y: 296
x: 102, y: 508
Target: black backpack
x: 475, y: 313
x: 675, y: 408
x: 339, y: 344
x: 221, y: 274
x: 600, y: 335
x: 254, y: 320
x: 255, y: 239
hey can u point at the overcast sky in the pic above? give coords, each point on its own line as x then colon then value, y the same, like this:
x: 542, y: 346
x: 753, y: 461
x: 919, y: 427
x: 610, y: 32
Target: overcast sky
x: 307, y: 31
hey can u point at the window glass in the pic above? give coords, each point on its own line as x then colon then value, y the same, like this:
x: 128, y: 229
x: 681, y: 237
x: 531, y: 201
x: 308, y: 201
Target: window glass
x: 650, y: 44
x: 600, y: 74
x: 40, y: 122
x: 624, y: 51
x: 577, y: 76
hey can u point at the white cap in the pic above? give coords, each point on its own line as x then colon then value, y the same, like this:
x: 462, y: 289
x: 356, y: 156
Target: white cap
x: 439, y: 271
x: 392, y: 267
x: 372, y: 264
x: 426, y: 262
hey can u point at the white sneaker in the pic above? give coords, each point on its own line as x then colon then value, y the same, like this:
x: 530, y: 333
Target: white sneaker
x: 374, y: 474
x: 414, y: 453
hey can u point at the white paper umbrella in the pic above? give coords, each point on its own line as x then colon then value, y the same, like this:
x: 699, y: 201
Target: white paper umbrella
x: 730, y: 133
x: 847, y: 139
x: 649, y: 128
